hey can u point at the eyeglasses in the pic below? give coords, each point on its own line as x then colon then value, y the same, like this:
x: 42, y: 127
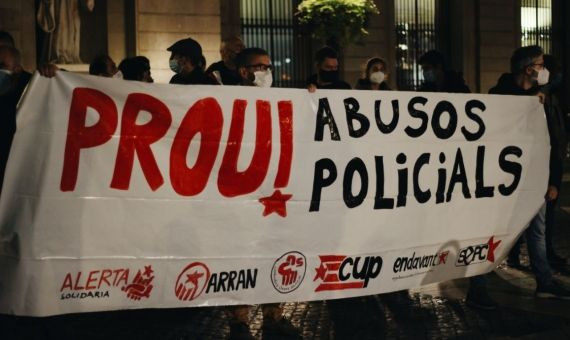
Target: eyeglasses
x: 261, y: 67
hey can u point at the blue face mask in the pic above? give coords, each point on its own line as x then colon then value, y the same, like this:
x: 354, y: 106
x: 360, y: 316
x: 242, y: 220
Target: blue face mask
x: 175, y: 66
x: 429, y: 76
x: 5, y: 81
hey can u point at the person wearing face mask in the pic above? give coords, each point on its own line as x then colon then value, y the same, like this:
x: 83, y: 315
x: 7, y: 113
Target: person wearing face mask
x: 13, y: 81
x: 187, y: 62
x: 437, y: 77
x: 558, y: 141
x: 254, y: 67
x: 327, y: 76
x: 528, y: 74
x: 225, y: 70
x: 375, y: 76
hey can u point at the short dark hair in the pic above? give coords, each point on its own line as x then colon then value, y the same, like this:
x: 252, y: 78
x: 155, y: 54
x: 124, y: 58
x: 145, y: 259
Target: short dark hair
x: 433, y: 58
x: 523, y: 57
x: 324, y: 53
x: 99, y: 65
x: 11, y: 50
x: 243, y: 59
x: 133, y: 68
x: 7, y: 39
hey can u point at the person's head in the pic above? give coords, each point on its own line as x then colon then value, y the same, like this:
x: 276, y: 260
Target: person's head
x: 326, y: 60
x: 185, y: 56
x: 376, y: 70
x: 6, y: 39
x: 254, y: 67
x: 433, y: 66
x: 147, y: 77
x: 229, y: 49
x: 103, y: 66
x: 528, y: 63
x: 9, y: 65
x: 136, y: 68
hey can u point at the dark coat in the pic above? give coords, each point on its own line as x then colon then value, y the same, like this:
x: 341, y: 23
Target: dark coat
x: 196, y: 77
x: 229, y: 77
x: 453, y: 83
x: 338, y: 85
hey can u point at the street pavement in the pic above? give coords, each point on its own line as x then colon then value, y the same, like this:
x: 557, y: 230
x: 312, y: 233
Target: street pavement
x: 436, y: 311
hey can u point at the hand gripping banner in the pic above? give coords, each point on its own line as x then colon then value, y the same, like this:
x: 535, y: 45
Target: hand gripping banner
x: 122, y: 195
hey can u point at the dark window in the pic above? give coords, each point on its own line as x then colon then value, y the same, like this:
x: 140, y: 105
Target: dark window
x: 536, y: 24
x: 415, y: 35
x: 273, y: 26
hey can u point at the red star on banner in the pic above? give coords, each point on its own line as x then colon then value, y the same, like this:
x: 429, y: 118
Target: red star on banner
x: 492, y: 247
x: 321, y: 272
x: 275, y: 203
x: 443, y: 257
x: 193, y: 278
x: 148, y: 271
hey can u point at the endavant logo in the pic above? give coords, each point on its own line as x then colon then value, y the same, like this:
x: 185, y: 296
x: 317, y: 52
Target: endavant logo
x: 478, y: 253
x: 339, y: 272
x: 288, y: 272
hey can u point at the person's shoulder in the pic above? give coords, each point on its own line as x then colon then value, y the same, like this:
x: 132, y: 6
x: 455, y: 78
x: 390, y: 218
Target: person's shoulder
x: 312, y: 79
x: 215, y: 66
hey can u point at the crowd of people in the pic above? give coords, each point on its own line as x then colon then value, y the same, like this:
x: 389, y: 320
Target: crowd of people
x: 532, y: 73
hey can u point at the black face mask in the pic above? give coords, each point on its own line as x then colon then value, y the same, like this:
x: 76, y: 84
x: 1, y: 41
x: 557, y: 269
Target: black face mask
x: 328, y: 76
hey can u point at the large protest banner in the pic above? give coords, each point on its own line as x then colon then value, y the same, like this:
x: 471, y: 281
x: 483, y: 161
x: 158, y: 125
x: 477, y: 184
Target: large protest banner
x: 126, y: 195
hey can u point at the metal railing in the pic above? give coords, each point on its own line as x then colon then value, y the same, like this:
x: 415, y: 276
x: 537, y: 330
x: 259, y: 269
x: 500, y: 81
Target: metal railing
x: 272, y: 25
x: 415, y: 35
x: 536, y: 24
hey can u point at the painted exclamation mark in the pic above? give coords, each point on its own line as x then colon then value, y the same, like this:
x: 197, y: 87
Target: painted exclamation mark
x: 277, y: 201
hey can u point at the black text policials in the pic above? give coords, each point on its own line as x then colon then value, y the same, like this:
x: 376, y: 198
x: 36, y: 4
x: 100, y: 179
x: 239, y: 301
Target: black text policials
x: 451, y: 170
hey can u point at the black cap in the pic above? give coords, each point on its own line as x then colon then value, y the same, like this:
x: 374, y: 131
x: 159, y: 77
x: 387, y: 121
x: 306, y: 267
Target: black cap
x: 187, y: 47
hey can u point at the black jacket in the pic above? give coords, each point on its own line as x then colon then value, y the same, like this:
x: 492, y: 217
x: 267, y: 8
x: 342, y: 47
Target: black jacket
x: 337, y: 85
x: 453, y: 83
x: 229, y: 77
x: 507, y: 85
x: 196, y: 77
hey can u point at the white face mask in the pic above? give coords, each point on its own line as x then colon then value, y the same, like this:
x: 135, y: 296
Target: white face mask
x: 543, y: 75
x: 377, y: 77
x: 263, y: 78
x: 118, y: 75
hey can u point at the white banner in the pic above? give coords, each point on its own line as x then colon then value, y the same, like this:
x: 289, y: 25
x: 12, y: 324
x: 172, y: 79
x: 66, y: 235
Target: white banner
x: 124, y: 195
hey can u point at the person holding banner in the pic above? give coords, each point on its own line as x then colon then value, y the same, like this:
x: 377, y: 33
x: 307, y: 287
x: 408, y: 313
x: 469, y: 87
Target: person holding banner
x: 254, y: 67
x: 13, y: 81
x: 375, y: 76
x: 438, y: 78
x: 527, y: 74
x: 186, y: 60
x: 327, y: 76
x: 225, y: 70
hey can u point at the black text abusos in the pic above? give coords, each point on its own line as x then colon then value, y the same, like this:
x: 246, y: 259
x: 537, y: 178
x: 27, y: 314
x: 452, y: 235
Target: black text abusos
x: 355, y: 171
